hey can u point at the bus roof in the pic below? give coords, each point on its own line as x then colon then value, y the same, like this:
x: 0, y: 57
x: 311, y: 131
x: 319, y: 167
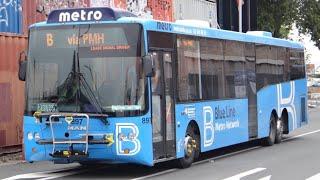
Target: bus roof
x: 169, y: 27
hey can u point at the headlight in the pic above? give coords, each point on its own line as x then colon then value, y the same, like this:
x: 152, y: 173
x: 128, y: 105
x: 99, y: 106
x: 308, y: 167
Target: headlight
x: 121, y: 136
x: 30, y: 136
x: 36, y: 136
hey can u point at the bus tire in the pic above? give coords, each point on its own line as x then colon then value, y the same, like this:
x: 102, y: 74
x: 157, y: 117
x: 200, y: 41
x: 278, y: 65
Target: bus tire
x: 270, y: 140
x: 191, y: 148
x: 279, y: 131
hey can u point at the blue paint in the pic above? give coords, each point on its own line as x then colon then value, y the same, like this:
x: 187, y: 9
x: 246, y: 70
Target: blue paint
x: 11, y: 16
x: 286, y: 96
x: 221, y: 123
x: 97, y: 129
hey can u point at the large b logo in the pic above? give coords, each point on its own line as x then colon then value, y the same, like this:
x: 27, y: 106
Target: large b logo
x: 208, y: 126
x: 128, y: 143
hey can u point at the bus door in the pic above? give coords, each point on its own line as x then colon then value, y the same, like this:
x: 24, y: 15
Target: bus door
x: 163, y: 122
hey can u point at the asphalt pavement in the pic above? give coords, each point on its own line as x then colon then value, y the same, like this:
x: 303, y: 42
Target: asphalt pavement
x: 296, y: 158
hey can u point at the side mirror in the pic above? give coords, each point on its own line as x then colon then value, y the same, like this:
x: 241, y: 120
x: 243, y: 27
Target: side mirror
x: 22, y: 67
x: 148, y: 65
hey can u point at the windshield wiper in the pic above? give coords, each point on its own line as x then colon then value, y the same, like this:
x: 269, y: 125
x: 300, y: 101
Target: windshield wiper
x: 90, y: 94
x: 71, y: 90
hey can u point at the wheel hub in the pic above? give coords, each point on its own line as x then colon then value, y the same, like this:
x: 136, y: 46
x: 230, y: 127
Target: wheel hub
x: 189, y: 146
x: 279, y: 126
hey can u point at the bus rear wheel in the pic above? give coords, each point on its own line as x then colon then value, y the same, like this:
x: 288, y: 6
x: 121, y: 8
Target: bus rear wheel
x: 279, y: 131
x: 270, y: 140
x: 191, y: 148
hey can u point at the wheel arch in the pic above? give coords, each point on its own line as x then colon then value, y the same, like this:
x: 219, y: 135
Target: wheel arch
x: 194, y: 124
x: 274, y: 113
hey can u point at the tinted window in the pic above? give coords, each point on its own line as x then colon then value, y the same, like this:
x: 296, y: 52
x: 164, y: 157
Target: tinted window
x: 188, y: 69
x: 250, y: 55
x: 297, y: 67
x: 283, y: 64
x: 211, y: 69
x: 160, y: 40
x: 266, y: 68
x: 274, y: 65
x: 234, y: 69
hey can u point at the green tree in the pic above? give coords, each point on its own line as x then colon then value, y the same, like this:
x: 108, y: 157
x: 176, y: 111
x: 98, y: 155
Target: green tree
x: 309, y: 19
x: 277, y: 16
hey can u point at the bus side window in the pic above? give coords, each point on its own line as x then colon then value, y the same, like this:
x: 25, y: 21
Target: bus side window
x: 212, y: 81
x: 188, y: 69
x: 234, y: 69
x: 297, y: 67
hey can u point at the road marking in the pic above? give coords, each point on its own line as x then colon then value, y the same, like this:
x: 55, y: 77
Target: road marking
x: 226, y: 155
x: 301, y: 135
x: 244, y: 174
x: 314, y: 177
x: 156, y: 174
x: 266, y: 178
x: 40, y: 176
x: 45, y: 175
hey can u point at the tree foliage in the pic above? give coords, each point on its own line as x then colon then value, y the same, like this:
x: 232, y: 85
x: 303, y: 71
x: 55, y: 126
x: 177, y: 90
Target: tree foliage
x: 278, y: 16
x: 309, y: 19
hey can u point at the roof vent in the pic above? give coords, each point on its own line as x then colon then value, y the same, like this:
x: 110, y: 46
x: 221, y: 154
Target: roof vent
x: 260, y: 33
x: 194, y: 22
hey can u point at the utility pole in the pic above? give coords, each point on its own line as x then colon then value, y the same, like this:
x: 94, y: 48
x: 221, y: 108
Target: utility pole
x: 240, y: 3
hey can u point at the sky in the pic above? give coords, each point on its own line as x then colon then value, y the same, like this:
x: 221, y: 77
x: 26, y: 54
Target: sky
x: 308, y: 44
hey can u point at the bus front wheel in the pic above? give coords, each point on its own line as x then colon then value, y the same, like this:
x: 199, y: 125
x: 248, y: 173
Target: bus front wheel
x: 191, y: 148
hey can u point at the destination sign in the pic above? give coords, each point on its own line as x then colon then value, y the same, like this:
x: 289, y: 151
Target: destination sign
x: 96, y: 41
x: 86, y: 15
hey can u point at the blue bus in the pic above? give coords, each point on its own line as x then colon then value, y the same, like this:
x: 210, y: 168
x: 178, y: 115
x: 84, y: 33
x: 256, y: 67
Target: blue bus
x: 105, y: 86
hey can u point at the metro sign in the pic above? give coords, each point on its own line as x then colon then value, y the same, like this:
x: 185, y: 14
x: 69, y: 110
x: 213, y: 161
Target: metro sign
x: 80, y: 16
x: 86, y: 15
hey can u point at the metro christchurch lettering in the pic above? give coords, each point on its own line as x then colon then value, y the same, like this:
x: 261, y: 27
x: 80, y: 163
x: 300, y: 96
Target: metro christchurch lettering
x: 130, y: 90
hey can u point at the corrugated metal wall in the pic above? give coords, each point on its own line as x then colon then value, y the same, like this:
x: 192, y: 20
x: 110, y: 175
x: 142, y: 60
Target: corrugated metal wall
x: 11, y: 89
x: 30, y: 14
x: 196, y: 9
x: 10, y: 16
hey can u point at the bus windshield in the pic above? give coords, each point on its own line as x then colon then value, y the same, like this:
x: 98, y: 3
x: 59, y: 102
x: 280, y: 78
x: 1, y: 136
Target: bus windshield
x: 86, y: 68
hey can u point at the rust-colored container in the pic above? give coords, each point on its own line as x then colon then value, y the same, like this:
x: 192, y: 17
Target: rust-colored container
x: 161, y: 10
x: 11, y: 89
x: 30, y: 14
x: 37, y: 10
